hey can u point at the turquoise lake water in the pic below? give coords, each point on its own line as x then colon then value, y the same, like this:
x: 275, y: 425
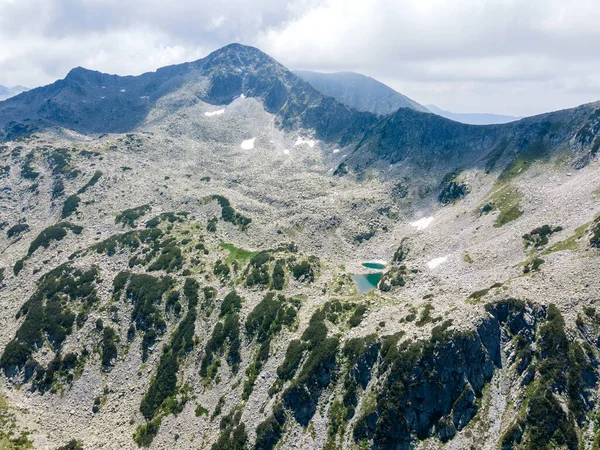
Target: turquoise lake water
x: 374, y: 266
x: 367, y: 282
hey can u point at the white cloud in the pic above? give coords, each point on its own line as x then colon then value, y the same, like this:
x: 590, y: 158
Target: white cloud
x: 506, y: 56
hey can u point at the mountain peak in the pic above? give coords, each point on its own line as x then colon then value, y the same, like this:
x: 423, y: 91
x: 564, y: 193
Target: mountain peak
x: 237, y: 56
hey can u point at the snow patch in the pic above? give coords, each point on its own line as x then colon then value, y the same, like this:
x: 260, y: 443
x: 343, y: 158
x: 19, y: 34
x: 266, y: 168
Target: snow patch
x: 309, y: 142
x: 423, y: 223
x: 337, y: 150
x: 218, y: 112
x: 286, y: 152
x: 436, y: 262
x: 122, y: 90
x: 248, y: 144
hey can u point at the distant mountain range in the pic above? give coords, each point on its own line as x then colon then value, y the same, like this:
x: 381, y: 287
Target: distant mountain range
x: 6, y: 92
x: 472, y: 118
x: 359, y: 91
x: 369, y: 95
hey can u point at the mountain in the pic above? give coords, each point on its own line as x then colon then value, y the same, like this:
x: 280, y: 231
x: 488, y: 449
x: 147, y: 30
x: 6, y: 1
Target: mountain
x: 359, y: 91
x: 472, y: 118
x: 217, y: 255
x: 6, y: 92
x: 90, y: 101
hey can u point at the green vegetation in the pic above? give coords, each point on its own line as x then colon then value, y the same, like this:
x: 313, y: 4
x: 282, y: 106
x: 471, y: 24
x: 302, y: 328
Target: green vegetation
x: 595, y: 237
x: 128, y: 217
x: 401, y: 252
x: 315, y: 375
x: 52, y: 233
x: 571, y: 243
x: 236, y: 253
x: 304, y: 271
x: 170, y: 259
x: 361, y: 351
x: 278, y: 275
x: 170, y: 217
x: 221, y: 270
x: 200, y: 411
x: 59, y: 161
x: 524, y: 160
x: 393, y: 278
x: 562, y: 368
x: 161, y: 397
x: 533, y: 265
x: 226, y: 333
x: 18, y: 266
x: 357, y: 316
x: 145, y: 293
x: 269, y: 316
x: 538, y: 237
x: 228, y: 214
x: 425, y: 316
x: 132, y: 240
x: 263, y: 323
x: 73, y: 444
x: 48, y: 316
x: 70, y: 206
x: 258, y: 270
x: 27, y: 171
x: 270, y: 430
x: 478, y: 295
x: 58, y: 188
x: 211, y: 225
x: 109, y: 348
x: 507, y: 200
x: 293, y: 356
x: 233, y: 432
x: 92, y: 182
x: 17, y: 229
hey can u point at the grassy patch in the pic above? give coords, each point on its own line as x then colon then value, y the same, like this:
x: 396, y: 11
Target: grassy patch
x: 507, y: 201
x: 236, y: 253
x: 523, y: 161
x: 129, y: 216
x: 571, y: 243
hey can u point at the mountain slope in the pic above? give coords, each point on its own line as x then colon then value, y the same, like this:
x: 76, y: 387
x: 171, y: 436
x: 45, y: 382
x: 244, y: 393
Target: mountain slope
x: 359, y: 91
x: 472, y: 118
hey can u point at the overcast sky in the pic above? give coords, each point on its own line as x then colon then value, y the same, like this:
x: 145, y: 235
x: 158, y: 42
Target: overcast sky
x: 517, y: 57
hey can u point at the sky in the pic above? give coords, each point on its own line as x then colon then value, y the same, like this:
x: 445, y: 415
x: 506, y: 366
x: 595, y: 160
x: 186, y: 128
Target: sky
x: 516, y: 57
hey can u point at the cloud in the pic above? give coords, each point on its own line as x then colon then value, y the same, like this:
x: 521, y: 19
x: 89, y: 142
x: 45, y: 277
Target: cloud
x: 505, y: 56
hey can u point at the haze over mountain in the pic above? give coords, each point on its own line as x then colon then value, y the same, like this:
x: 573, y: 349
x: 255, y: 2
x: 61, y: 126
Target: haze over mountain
x: 218, y: 255
x: 6, y: 92
x: 472, y: 118
x: 359, y: 91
